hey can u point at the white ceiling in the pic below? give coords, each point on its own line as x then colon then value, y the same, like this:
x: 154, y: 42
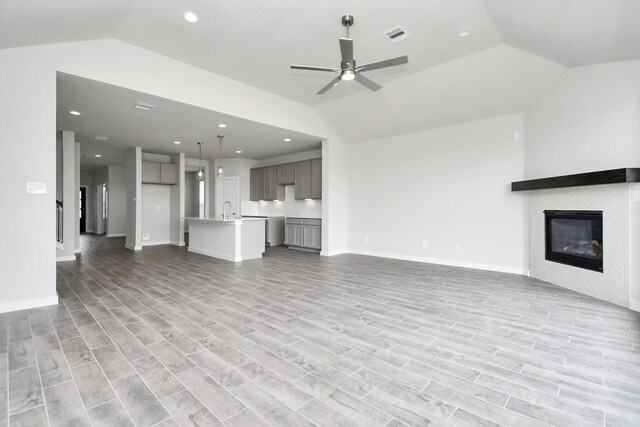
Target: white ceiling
x: 107, y: 110
x: 254, y: 41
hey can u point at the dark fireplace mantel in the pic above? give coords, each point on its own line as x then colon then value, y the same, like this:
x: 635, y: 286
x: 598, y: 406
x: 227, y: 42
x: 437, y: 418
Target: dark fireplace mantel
x: 611, y: 176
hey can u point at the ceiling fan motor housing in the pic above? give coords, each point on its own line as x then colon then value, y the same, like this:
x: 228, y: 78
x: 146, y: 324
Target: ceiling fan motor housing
x: 347, y: 20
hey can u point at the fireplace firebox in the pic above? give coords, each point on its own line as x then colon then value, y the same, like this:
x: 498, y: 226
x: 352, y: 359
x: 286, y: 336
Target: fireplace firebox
x: 574, y: 238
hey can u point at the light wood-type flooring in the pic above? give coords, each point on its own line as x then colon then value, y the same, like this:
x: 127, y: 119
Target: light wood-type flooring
x: 165, y: 337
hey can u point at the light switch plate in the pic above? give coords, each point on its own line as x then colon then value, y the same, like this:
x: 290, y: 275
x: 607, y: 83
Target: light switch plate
x: 36, y: 187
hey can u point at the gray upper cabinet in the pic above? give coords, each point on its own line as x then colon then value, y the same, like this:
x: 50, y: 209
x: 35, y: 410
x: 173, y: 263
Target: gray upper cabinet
x: 256, y: 185
x: 303, y: 180
x: 316, y: 179
x: 168, y: 173
x: 150, y: 172
x: 286, y: 174
x: 271, y: 189
x: 159, y: 173
x: 267, y: 183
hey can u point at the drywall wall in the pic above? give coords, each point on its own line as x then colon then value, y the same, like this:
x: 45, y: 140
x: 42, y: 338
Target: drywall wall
x: 117, y: 204
x: 101, y: 176
x: 69, y: 198
x: 156, y: 214
x: 190, y: 195
x: 446, y: 187
x: 86, y: 180
x: 177, y: 203
x: 76, y: 195
x: 28, y: 123
x: 587, y: 121
x: 59, y: 168
x: 133, y: 164
x: 28, y: 84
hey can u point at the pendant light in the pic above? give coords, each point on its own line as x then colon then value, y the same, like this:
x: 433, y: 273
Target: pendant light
x: 220, y: 171
x: 200, y: 173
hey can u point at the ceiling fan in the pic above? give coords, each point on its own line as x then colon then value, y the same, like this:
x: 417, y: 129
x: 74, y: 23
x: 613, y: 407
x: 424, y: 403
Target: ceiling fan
x: 348, y: 69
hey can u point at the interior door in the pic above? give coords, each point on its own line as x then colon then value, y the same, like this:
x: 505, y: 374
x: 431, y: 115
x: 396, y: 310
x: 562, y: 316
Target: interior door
x: 83, y: 210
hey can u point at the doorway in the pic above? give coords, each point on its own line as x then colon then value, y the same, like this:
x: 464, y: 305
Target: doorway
x: 228, y: 190
x: 82, y: 214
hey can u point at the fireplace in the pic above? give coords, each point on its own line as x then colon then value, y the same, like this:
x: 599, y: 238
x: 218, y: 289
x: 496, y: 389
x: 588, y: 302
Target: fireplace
x: 574, y: 238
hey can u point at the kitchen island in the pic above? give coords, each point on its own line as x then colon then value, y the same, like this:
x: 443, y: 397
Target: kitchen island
x: 232, y: 240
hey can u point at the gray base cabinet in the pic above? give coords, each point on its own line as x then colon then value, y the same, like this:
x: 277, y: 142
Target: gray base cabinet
x: 304, y: 233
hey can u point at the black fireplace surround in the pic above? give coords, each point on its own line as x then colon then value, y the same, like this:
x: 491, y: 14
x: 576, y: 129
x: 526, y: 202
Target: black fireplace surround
x: 574, y: 238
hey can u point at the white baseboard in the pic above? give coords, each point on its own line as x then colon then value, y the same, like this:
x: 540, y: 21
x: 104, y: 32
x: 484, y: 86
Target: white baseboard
x: 89, y: 231
x: 214, y: 254
x: 333, y: 253
x: 66, y: 258
x: 452, y: 263
x: 174, y: 243
x: 634, y: 305
x: 27, y: 304
x: 78, y: 251
x: 117, y: 235
x: 133, y: 248
x: 154, y: 243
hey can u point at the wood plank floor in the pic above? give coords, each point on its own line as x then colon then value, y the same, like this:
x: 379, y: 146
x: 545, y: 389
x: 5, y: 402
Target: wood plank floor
x: 164, y: 337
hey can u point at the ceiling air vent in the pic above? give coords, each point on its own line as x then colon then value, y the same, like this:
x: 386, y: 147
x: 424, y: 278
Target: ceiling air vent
x: 396, y: 34
x: 143, y: 106
x: 101, y: 138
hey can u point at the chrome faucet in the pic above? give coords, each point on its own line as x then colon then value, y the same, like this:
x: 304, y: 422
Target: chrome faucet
x: 224, y: 211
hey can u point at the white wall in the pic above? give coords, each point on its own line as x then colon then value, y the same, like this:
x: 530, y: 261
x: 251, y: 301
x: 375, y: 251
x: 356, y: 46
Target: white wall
x: 177, y: 203
x: 443, y: 186
x: 28, y: 123
x: 117, y: 204
x: 587, y: 121
x: 156, y: 214
x: 133, y: 161
x: 86, y: 180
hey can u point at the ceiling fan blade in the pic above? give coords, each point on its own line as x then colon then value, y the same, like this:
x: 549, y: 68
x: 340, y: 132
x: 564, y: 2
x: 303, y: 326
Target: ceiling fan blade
x: 368, y: 83
x: 346, y: 48
x: 314, y: 68
x: 331, y: 84
x: 384, y: 64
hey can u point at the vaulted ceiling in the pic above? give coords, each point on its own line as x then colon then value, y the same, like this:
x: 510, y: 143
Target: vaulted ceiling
x: 517, y: 48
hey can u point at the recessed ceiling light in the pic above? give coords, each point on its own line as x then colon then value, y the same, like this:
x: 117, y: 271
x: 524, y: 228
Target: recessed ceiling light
x: 222, y: 125
x: 74, y: 113
x: 465, y: 32
x: 190, y: 17
x: 176, y: 142
x: 239, y: 151
x: 101, y: 138
x: 287, y: 140
x: 97, y: 155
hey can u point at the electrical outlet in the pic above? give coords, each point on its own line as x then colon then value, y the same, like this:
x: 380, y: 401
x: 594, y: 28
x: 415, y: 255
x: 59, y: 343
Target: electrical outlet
x: 366, y: 239
x: 424, y: 244
x: 458, y: 246
x: 146, y: 236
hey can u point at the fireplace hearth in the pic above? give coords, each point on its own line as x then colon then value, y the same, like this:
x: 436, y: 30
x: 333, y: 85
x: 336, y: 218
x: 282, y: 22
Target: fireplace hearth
x: 574, y: 238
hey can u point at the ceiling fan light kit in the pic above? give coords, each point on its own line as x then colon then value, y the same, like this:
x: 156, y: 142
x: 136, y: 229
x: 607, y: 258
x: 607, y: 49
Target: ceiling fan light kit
x: 348, y: 69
